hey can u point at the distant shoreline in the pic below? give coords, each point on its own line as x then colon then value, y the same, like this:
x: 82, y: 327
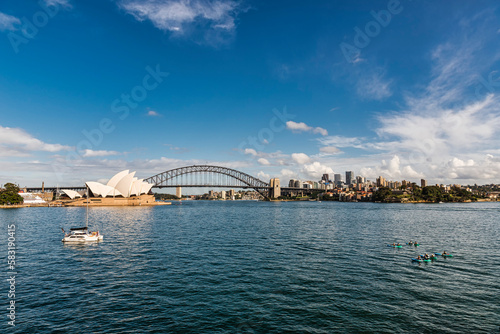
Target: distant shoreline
x: 18, y: 206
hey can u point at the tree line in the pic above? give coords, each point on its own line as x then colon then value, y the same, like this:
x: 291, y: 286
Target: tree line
x: 9, y: 194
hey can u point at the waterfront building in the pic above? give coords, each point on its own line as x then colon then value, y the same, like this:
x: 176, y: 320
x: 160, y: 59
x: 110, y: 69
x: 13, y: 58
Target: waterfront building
x: 30, y: 198
x: 223, y: 194
x: 423, y: 183
x: 178, y: 192
x: 349, y: 177
x: 381, y: 182
x: 123, y: 189
x: 298, y: 184
x: 123, y: 184
x: 337, y: 179
x: 291, y: 183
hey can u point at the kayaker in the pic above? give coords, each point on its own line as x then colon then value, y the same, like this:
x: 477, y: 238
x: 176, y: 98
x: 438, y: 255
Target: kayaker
x: 444, y: 253
x: 426, y: 256
x: 419, y: 257
x: 410, y: 243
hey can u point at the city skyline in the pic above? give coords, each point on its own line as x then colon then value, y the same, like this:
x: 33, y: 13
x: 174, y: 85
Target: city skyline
x: 403, y: 90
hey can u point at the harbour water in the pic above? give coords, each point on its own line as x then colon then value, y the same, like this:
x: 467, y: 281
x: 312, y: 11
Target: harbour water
x: 255, y: 267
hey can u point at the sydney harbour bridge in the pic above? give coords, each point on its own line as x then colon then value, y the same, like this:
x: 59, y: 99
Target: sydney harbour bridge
x: 207, y: 176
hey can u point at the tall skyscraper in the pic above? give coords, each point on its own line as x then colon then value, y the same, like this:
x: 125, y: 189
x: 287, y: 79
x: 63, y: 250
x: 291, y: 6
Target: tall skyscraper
x: 325, y: 178
x: 423, y: 183
x: 349, y: 177
x: 337, y: 179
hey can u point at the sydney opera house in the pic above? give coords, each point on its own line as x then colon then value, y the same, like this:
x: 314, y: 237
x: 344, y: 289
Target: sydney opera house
x: 122, y: 189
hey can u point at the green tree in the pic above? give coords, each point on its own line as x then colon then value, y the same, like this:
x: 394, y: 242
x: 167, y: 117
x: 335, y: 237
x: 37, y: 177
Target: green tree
x: 432, y: 194
x: 382, y: 194
x: 11, y: 187
x: 10, y: 194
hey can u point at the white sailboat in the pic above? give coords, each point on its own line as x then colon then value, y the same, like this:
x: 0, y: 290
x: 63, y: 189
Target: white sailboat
x: 82, y: 234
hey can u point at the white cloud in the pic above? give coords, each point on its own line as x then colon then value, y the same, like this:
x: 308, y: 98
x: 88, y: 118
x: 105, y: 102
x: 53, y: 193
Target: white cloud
x: 287, y: 173
x: 303, y: 127
x: 330, y: 150
x: 391, y: 170
x: 260, y: 154
x: 374, y: 85
x: 153, y: 113
x: 263, y: 176
x: 316, y: 170
x: 182, y: 16
x: 250, y: 151
x: 300, y: 158
x: 264, y: 162
x: 444, y: 124
x: 101, y: 153
x: 340, y: 141
x: 486, y: 167
x: 63, y: 3
x: 17, y: 142
x: 8, y: 22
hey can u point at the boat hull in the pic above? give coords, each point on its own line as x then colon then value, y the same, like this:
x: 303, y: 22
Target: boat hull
x: 89, y: 238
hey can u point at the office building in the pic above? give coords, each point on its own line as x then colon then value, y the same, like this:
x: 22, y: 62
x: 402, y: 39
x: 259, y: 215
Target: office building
x: 349, y: 177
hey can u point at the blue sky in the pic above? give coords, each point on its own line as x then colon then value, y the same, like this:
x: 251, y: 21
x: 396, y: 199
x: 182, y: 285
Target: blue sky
x: 402, y: 89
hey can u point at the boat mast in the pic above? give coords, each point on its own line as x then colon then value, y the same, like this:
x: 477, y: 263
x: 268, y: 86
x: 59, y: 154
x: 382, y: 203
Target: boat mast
x: 87, y: 222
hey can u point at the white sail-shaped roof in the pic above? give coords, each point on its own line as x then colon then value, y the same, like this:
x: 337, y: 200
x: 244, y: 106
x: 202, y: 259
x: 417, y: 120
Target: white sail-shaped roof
x: 99, y: 189
x: 71, y: 193
x: 136, y: 188
x: 125, y: 184
x: 122, y: 184
x: 146, y: 187
x: 115, y: 179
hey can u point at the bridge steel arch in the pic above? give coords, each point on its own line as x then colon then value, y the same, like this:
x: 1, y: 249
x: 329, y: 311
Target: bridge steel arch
x: 248, y: 181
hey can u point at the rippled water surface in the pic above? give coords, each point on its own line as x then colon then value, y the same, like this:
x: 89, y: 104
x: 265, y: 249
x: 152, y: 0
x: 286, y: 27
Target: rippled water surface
x: 255, y: 267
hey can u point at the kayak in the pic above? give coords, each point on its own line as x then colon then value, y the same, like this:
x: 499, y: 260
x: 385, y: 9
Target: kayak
x: 444, y: 255
x: 417, y: 260
x: 395, y: 246
x: 431, y: 257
